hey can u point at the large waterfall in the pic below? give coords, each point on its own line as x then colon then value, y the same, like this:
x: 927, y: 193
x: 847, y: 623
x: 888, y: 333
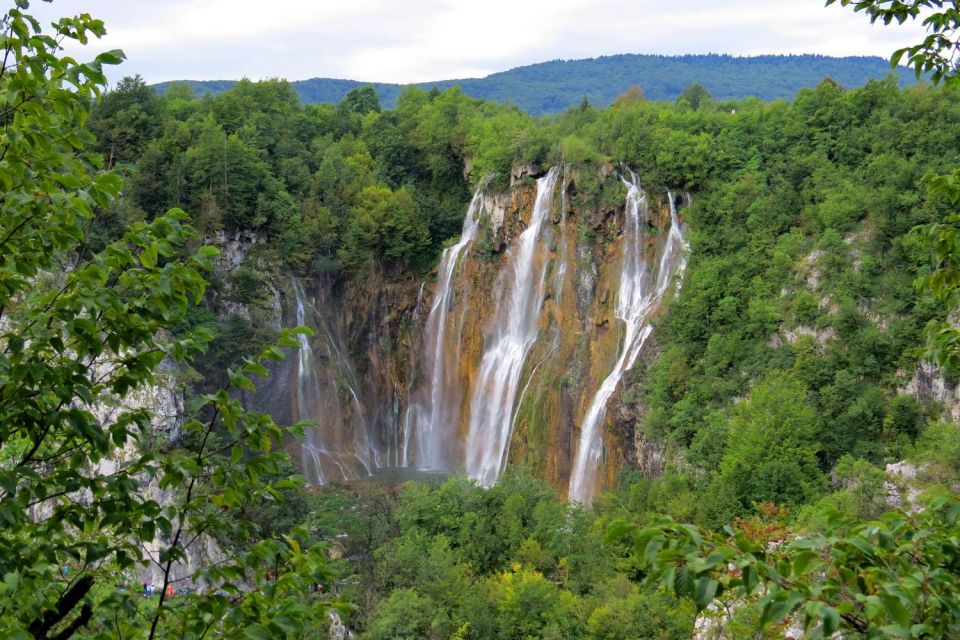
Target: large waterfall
x: 641, y: 290
x: 339, y: 447
x: 434, y: 413
x: 513, y: 329
x: 504, y: 349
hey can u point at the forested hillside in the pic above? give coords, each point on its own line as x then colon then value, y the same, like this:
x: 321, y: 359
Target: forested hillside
x: 782, y: 369
x: 551, y: 87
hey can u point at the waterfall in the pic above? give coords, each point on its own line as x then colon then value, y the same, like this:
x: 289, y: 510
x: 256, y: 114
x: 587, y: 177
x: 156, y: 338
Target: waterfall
x: 513, y: 330
x: 432, y: 417
x: 638, y: 297
x: 339, y: 447
x: 561, y: 268
x: 306, y: 385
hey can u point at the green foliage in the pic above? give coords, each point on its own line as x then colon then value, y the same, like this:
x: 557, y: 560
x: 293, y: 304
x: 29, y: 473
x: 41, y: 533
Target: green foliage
x: 894, y: 577
x: 862, y: 492
x: 362, y: 100
x: 935, y: 55
x: 455, y: 560
x: 125, y: 120
x: 780, y: 361
x: 403, y: 615
x: 940, y: 446
x: 771, y: 452
x: 384, y: 225
x: 694, y: 95
x: 84, y: 334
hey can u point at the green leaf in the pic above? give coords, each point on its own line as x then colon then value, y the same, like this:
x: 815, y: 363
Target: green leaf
x: 114, y: 56
x: 706, y: 590
x: 896, y: 631
x: 683, y: 583
x: 258, y: 632
x: 779, y: 605
x: 831, y: 621
x: 803, y: 560
x: 149, y: 256
x: 618, y: 530
x: 895, y: 608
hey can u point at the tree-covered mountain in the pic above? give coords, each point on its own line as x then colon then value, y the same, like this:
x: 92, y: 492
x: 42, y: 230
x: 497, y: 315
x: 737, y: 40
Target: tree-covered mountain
x: 551, y: 87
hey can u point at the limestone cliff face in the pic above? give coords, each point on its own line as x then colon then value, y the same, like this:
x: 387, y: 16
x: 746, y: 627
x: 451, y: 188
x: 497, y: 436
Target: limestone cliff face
x: 370, y: 337
x: 578, y: 336
x: 930, y: 383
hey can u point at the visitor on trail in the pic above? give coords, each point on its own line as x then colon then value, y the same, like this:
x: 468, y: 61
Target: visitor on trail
x: 169, y: 590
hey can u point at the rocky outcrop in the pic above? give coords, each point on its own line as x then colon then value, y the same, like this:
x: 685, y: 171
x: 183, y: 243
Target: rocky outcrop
x: 929, y: 383
x: 524, y: 171
x: 901, y: 486
x: 164, y: 399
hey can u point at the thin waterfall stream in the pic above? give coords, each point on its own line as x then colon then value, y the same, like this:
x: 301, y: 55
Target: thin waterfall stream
x: 432, y: 417
x: 638, y: 297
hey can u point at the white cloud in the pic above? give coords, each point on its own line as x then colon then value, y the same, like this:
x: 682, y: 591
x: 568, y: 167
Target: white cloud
x: 412, y: 41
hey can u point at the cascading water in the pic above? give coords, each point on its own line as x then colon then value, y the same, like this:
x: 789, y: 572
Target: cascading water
x: 339, y: 448
x: 639, y: 295
x: 513, y: 330
x: 560, y: 270
x: 432, y: 418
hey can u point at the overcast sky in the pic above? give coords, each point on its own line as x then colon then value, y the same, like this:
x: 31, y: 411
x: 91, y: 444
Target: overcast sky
x: 416, y: 40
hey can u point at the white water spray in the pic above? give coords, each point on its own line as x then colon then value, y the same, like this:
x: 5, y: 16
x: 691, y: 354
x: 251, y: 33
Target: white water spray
x: 513, y: 330
x: 339, y: 448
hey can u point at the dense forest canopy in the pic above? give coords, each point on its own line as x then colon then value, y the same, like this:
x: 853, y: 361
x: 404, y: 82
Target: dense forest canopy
x: 551, y: 87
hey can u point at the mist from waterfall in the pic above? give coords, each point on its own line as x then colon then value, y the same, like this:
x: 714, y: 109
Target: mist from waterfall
x: 513, y: 330
x: 434, y: 413
x: 639, y: 295
x: 339, y: 447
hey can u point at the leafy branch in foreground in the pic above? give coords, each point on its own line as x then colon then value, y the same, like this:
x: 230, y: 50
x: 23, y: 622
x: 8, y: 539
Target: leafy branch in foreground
x: 894, y: 577
x: 937, y: 53
x: 87, y: 341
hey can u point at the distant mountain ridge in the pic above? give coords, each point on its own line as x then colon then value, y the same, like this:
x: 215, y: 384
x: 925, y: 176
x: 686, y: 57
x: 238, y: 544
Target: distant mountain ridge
x: 551, y: 87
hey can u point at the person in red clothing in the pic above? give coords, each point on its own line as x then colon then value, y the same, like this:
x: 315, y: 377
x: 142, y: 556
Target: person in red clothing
x: 169, y: 590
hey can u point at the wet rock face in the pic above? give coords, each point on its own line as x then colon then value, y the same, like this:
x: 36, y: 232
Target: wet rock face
x: 579, y: 336
x: 640, y: 451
